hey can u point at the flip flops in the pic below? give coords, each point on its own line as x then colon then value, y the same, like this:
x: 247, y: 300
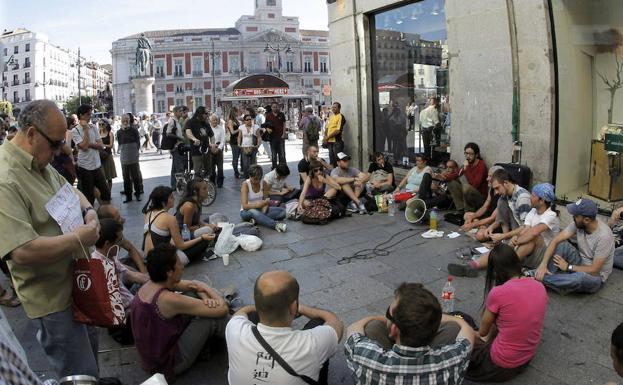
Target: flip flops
x: 11, y: 301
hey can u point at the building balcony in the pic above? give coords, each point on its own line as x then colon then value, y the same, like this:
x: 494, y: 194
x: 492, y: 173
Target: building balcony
x: 178, y: 75
x: 159, y: 75
x: 26, y: 65
x: 15, y: 66
x: 26, y: 81
x: 15, y: 82
x: 27, y: 99
x: 179, y: 91
x: 197, y: 90
x: 160, y: 93
x: 198, y: 74
x: 16, y: 100
x: 217, y: 72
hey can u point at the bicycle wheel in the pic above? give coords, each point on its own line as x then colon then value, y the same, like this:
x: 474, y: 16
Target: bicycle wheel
x: 211, y: 194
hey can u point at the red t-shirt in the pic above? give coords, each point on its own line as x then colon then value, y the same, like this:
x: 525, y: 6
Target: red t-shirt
x: 520, y: 306
x: 278, y: 121
x: 477, y: 176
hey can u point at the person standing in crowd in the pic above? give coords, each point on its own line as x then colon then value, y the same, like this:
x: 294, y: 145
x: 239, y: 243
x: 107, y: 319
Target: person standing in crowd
x: 260, y: 120
x: 198, y: 132
x: 174, y: 127
x: 217, y: 146
x: 278, y: 133
x: 512, y: 320
x: 108, y: 163
x: 332, y: 138
x: 156, y: 132
x: 469, y: 191
x: 90, y: 176
x: 311, y: 126
x: 307, y: 351
x: 429, y: 119
x: 248, y: 137
x: 63, y: 161
x: 115, y: 125
x: 129, y: 141
x: 396, y: 124
x: 39, y: 256
x: 233, y: 129
x: 255, y: 202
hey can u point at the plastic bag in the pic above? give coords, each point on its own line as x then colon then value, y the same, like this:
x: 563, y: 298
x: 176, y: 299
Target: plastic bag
x: 216, y: 218
x: 249, y: 242
x: 226, y: 243
x: 381, y: 203
x: 291, y: 208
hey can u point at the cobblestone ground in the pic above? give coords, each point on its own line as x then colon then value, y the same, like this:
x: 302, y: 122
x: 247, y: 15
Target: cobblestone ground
x: 575, y: 345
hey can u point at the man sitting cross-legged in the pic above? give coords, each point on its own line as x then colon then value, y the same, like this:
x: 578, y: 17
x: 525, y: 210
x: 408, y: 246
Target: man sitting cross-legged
x: 540, y: 227
x: 417, y: 351
x: 486, y: 214
x: 352, y: 182
x: 381, y: 175
x: 253, y: 347
x: 581, y: 270
x: 280, y: 191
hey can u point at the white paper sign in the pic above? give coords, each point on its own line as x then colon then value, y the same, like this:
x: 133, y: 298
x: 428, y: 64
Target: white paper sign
x: 482, y: 250
x: 64, y: 207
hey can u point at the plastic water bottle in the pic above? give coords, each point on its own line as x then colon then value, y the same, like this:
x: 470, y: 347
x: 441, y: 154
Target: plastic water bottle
x: 391, y: 206
x: 447, y: 296
x: 433, y: 219
x: 185, y: 233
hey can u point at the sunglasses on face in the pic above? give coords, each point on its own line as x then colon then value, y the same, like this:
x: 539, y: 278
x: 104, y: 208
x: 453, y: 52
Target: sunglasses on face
x: 317, y: 170
x: 54, y: 144
x: 388, y: 315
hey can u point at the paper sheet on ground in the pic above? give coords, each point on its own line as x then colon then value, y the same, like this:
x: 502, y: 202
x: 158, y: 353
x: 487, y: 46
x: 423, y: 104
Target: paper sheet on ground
x: 64, y: 207
x: 482, y: 250
x: 453, y: 235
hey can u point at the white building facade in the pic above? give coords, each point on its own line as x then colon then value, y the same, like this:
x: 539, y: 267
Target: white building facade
x: 33, y: 68
x: 193, y: 67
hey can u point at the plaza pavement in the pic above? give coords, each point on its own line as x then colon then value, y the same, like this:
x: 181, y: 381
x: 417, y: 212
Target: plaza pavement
x: 575, y: 343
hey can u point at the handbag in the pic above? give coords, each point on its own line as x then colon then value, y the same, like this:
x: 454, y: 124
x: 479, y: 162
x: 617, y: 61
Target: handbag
x: 96, y: 299
x: 279, y: 359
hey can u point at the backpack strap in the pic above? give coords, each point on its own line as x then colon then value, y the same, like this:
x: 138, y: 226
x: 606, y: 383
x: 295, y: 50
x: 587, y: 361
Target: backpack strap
x: 279, y: 359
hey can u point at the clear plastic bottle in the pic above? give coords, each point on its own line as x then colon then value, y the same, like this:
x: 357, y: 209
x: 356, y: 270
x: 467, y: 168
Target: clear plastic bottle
x: 185, y: 233
x: 433, y: 219
x: 447, y: 296
x: 391, y: 206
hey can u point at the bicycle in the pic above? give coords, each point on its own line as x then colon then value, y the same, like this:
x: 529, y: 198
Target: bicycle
x: 183, y: 178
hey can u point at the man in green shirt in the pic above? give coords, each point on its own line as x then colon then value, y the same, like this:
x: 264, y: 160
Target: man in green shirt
x: 38, y: 254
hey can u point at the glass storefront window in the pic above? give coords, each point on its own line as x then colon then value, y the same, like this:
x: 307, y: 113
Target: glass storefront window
x: 410, y: 70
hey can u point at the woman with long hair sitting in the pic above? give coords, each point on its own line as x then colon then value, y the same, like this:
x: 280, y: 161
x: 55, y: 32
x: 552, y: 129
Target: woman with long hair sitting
x: 255, y: 202
x: 189, y: 209
x: 162, y: 228
x: 171, y: 329
x: 512, y: 321
x: 317, y: 185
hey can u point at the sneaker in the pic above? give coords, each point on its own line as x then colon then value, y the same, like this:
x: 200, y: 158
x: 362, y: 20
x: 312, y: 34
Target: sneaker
x: 462, y: 270
x: 362, y: 209
x: 528, y: 273
x: 280, y: 227
x: 352, y: 207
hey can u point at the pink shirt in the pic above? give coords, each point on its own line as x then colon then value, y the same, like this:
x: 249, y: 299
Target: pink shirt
x: 520, y: 306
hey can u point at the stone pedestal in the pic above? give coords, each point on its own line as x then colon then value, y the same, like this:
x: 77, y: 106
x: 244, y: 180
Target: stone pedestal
x: 143, y: 96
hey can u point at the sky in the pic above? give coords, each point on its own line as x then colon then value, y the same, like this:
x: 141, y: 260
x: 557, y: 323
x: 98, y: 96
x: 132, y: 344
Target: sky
x: 94, y: 25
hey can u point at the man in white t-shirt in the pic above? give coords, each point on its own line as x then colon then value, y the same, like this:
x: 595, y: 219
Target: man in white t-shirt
x: 353, y: 183
x: 305, y: 351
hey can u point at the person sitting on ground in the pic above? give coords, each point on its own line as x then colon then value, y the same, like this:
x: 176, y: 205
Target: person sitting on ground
x: 352, y: 183
x: 381, y: 173
x: 107, y: 246
x: 469, y: 191
x: 512, y: 321
x: 171, y: 329
x: 135, y: 256
x: 317, y: 186
x: 440, y: 196
x: 540, y: 227
x: 418, y: 180
x: 189, y: 209
x: 412, y: 356
x: 486, y: 214
x: 162, y: 227
x: 307, y: 351
x: 255, y: 202
x: 613, y: 221
x: 513, y: 206
x: 581, y: 270
x: 616, y: 350
x: 280, y: 191
x: 303, y: 166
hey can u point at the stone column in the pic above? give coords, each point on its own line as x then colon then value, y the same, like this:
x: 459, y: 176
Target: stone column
x: 143, y: 97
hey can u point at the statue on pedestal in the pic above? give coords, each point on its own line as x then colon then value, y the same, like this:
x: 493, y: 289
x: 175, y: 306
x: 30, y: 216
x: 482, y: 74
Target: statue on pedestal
x: 143, y: 55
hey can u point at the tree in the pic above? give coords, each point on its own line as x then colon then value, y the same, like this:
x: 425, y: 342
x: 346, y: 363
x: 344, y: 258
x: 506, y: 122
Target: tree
x: 72, y: 104
x: 6, y: 108
x: 612, y: 85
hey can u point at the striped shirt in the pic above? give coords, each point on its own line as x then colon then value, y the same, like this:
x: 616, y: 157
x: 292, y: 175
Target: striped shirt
x: 519, y: 203
x: 371, y: 364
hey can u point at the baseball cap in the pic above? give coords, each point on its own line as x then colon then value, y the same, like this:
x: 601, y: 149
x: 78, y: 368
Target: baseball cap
x: 343, y: 156
x: 544, y: 191
x: 584, y: 207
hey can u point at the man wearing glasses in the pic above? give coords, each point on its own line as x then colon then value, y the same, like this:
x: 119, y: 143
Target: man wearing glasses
x: 414, y: 343
x: 89, y: 166
x: 38, y: 254
x: 469, y: 191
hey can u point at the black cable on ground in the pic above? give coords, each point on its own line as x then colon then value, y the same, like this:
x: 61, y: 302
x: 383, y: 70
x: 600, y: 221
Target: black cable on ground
x: 380, y: 250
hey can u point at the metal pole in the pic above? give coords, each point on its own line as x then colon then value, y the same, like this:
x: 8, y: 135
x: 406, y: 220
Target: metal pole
x: 78, y: 64
x: 213, y: 80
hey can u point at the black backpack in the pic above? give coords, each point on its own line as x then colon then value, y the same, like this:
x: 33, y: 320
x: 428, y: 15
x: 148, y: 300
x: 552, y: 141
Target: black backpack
x: 169, y: 140
x: 313, y: 129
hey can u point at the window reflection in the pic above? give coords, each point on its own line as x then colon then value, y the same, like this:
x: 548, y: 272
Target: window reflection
x: 410, y: 67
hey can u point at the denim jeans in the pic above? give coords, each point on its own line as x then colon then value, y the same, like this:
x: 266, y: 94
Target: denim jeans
x: 246, y: 160
x: 177, y: 166
x: 577, y: 282
x: 618, y: 257
x: 235, y: 158
x: 266, y: 144
x: 269, y: 219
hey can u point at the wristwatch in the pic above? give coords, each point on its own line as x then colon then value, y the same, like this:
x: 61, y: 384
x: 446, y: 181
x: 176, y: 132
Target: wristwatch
x: 570, y: 268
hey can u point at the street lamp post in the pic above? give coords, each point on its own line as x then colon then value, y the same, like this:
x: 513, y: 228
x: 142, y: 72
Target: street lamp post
x: 278, y: 48
x: 213, y: 57
x: 5, y: 82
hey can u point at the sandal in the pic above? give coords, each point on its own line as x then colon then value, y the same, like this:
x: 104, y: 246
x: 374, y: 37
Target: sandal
x: 11, y: 301
x: 229, y: 293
